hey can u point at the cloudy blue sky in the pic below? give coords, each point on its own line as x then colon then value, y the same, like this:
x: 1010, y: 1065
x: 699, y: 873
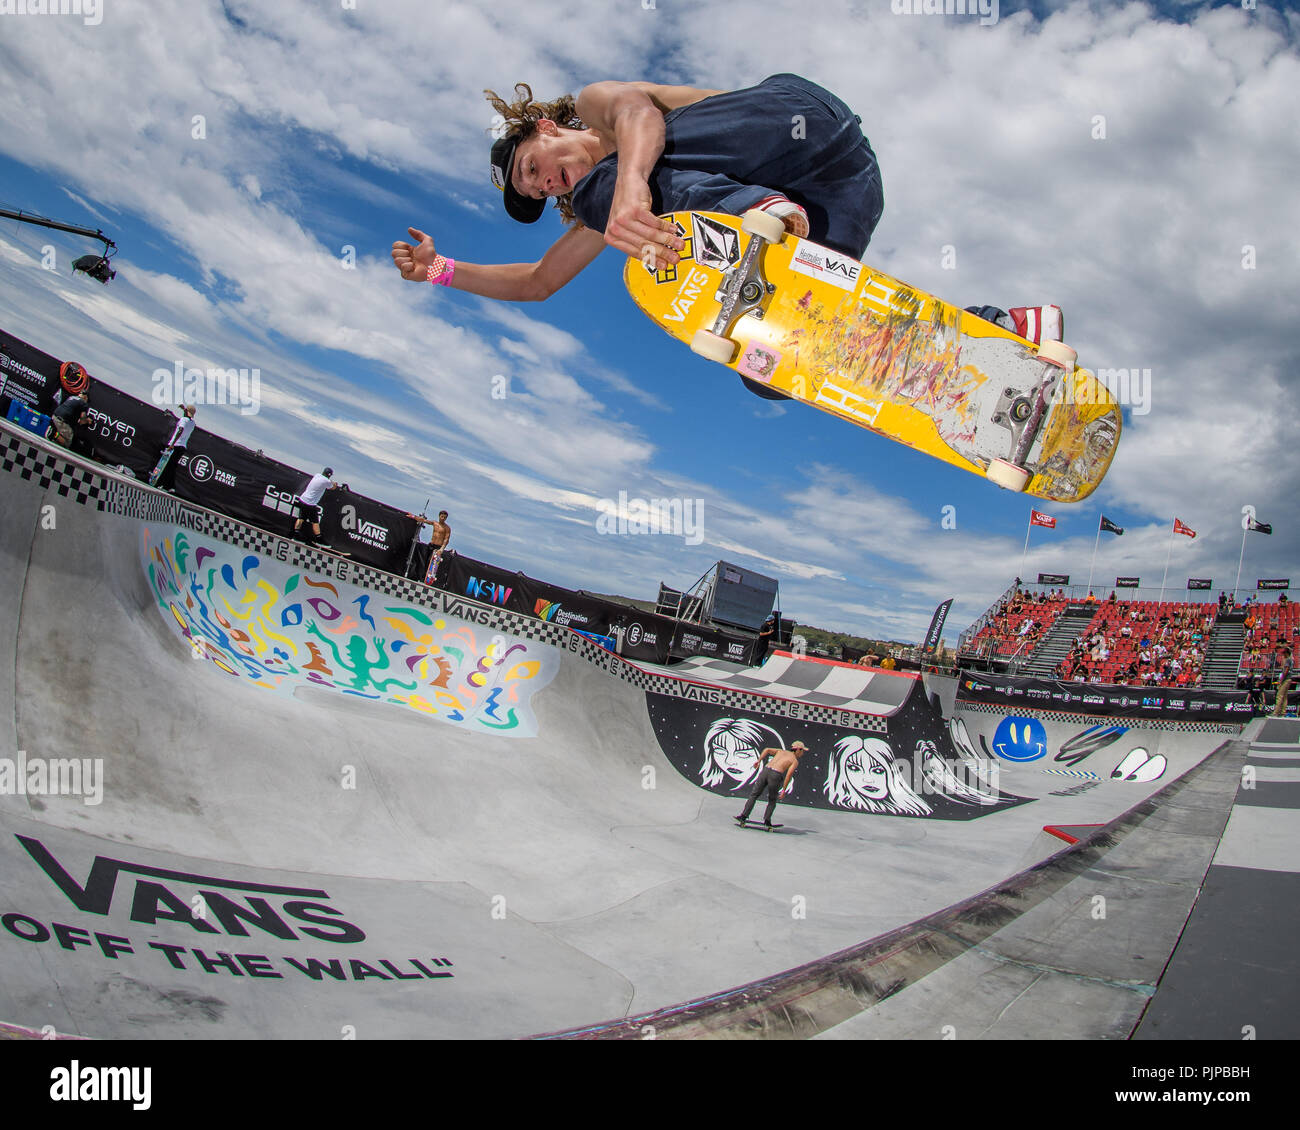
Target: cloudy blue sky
x: 1135, y: 164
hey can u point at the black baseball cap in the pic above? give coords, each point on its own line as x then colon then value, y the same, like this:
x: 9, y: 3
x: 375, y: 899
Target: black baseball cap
x: 328, y: 472
x: 518, y: 207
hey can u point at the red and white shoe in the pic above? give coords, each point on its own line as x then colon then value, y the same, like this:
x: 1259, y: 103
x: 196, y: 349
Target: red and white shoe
x: 786, y: 210
x: 1038, y: 323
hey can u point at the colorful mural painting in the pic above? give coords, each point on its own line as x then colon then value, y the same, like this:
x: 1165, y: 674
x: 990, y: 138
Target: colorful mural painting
x: 257, y: 619
x: 910, y: 767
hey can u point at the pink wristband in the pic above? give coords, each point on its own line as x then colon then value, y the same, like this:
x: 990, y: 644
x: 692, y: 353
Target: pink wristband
x: 441, y: 272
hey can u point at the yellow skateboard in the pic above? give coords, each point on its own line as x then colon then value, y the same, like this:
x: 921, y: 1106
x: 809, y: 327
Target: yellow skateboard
x: 822, y: 328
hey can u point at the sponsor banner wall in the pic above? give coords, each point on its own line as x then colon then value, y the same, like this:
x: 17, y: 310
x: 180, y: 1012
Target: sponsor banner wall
x: 574, y: 610
x: 230, y: 478
x: 1128, y: 582
x: 372, y: 532
x: 1053, y: 578
x: 126, y: 432
x: 646, y: 637
x: 1275, y: 583
x: 234, y: 480
x: 1200, y: 582
x: 692, y: 639
x: 29, y: 376
x: 480, y: 581
x: 1189, y: 704
x: 521, y: 593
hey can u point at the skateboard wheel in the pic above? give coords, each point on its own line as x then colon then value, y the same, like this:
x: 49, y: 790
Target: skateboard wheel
x: 713, y: 346
x: 768, y: 228
x: 1058, y: 353
x: 1008, y: 475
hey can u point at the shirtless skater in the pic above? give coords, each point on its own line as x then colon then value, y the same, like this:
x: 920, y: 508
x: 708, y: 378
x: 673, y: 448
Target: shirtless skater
x: 439, y: 536
x: 622, y: 152
x: 774, y: 779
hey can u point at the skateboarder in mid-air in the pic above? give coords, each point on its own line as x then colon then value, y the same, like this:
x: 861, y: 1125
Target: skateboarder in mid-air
x: 774, y: 779
x: 621, y: 152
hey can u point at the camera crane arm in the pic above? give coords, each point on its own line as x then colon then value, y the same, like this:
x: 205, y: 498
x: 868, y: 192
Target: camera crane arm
x: 96, y: 266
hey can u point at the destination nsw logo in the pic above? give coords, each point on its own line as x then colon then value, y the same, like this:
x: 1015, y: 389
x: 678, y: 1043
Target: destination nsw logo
x: 556, y: 613
x: 218, y: 909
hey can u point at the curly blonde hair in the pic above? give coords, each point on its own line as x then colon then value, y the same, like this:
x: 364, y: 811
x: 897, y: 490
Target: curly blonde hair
x: 521, y: 117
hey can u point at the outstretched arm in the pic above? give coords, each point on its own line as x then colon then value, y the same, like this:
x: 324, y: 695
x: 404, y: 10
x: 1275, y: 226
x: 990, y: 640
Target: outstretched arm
x: 510, y: 282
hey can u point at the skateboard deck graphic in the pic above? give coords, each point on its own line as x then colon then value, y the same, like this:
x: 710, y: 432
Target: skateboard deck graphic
x: 161, y: 465
x: 431, y: 573
x: 822, y: 328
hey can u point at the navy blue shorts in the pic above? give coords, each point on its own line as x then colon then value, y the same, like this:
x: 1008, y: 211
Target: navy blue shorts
x: 726, y: 153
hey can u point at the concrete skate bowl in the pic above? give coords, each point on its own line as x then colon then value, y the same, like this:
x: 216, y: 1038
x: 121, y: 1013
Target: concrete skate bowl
x: 316, y: 799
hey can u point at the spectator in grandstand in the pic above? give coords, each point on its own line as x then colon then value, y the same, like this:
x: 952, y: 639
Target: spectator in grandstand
x: 1282, y: 599
x: 1283, y: 683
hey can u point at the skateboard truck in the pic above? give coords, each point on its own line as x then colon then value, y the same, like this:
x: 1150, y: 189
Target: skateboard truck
x: 744, y: 289
x: 1022, y: 414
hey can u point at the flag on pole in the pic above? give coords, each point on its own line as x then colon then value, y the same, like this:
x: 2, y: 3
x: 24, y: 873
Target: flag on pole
x: 1179, y: 528
x: 1109, y: 526
x: 1258, y: 527
x: 1037, y: 519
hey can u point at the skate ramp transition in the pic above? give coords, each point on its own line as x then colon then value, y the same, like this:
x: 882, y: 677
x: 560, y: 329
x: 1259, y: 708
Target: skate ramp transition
x: 251, y: 790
